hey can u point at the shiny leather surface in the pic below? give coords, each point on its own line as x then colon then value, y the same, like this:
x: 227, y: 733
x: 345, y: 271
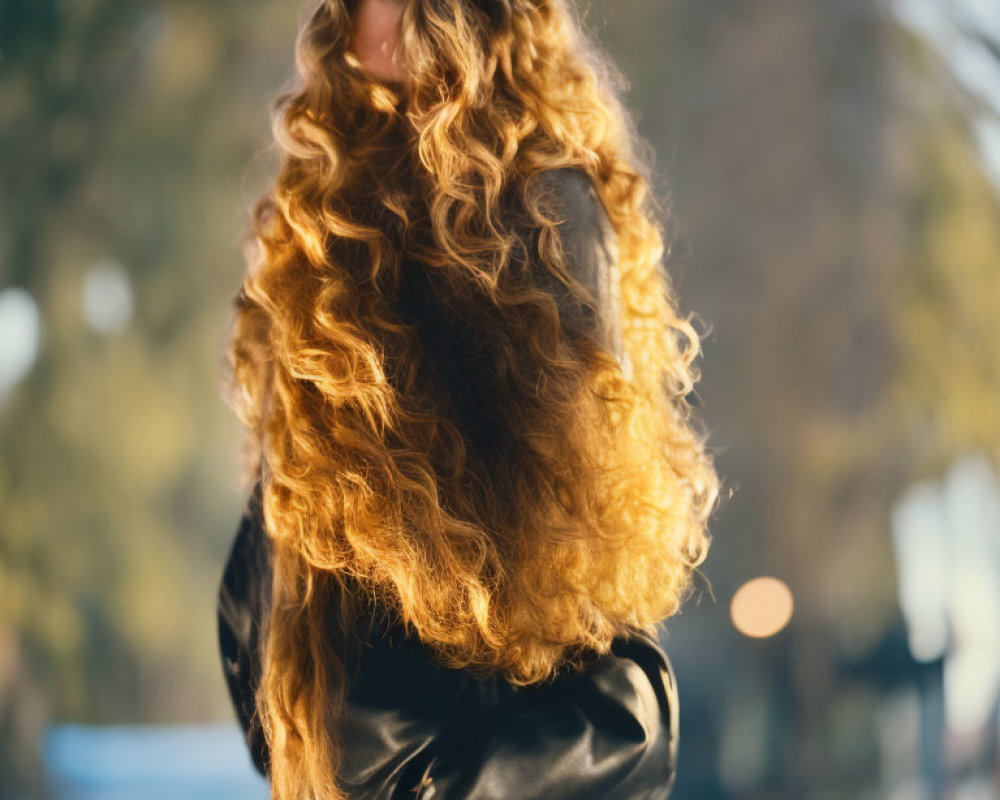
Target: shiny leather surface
x: 413, y: 729
x: 590, y: 252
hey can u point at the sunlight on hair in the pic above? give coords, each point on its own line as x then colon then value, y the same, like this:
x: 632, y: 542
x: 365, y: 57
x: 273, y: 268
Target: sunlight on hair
x: 762, y: 607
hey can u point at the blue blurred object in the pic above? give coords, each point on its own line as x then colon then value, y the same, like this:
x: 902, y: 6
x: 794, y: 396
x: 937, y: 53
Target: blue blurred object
x: 125, y: 762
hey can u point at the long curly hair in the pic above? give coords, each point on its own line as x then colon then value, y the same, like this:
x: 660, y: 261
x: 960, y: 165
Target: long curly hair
x: 476, y: 463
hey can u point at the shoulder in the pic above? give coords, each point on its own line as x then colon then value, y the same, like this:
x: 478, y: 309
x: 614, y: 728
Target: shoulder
x: 585, y: 228
x: 590, y: 254
x: 572, y: 191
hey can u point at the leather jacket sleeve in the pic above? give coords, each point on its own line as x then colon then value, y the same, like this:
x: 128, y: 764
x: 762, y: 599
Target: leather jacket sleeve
x: 243, y: 596
x: 413, y: 729
x: 590, y: 253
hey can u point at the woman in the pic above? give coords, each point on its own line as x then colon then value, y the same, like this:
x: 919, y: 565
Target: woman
x: 477, y: 483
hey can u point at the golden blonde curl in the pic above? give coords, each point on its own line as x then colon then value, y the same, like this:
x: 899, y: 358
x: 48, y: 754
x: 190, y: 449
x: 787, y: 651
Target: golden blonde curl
x: 546, y: 500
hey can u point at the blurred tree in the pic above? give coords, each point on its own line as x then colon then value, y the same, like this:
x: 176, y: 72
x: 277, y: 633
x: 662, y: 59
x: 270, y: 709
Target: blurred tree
x: 837, y: 232
x: 132, y: 131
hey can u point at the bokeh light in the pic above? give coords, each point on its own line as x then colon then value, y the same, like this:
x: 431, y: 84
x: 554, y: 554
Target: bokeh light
x: 20, y: 332
x: 107, y: 296
x: 762, y: 607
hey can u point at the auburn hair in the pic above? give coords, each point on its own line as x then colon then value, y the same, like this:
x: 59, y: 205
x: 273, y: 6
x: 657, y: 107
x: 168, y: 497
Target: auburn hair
x: 534, y: 498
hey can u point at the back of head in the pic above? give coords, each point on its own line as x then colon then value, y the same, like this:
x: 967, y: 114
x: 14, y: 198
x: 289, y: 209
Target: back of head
x: 571, y: 503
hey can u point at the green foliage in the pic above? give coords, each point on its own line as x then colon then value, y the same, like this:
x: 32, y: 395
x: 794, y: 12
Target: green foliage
x: 138, y: 129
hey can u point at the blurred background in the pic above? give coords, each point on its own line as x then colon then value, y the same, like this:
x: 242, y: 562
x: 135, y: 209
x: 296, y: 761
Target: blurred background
x: 833, y: 167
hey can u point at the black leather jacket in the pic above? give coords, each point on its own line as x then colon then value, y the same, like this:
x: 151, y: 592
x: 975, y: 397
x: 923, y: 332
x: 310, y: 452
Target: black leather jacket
x: 413, y: 729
